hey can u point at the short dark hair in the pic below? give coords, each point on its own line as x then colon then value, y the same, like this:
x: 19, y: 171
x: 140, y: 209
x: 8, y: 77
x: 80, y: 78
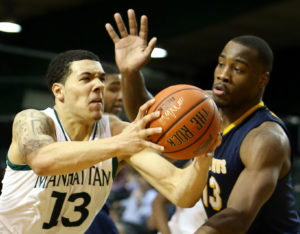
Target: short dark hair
x: 109, y: 68
x: 59, y: 67
x: 265, y: 53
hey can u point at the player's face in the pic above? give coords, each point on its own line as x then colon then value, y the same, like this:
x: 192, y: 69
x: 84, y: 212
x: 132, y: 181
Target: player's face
x: 236, y: 77
x: 112, y: 94
x: 83, y: 90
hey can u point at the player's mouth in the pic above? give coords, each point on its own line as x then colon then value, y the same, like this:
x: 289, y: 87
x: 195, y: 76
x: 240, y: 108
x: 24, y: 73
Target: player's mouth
x: 118, y: 105
x: 119, y: 108
x: 96, y: 101
x: 219, y: 89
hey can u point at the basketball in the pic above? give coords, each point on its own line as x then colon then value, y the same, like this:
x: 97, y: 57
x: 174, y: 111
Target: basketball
x: 189, y: 118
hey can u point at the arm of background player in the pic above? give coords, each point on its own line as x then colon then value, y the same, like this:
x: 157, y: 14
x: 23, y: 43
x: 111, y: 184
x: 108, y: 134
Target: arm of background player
x: 265, y: 153
x: 134, y: 93
x: 161, y: 204
x: 160, y: 213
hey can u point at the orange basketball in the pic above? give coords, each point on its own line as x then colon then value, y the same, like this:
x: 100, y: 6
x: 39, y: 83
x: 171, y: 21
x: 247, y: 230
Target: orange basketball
x: 190, y: 121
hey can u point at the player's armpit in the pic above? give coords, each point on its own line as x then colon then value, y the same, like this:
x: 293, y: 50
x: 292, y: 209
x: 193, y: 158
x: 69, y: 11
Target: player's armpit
x: 32, y: 130
x: 221, y: 223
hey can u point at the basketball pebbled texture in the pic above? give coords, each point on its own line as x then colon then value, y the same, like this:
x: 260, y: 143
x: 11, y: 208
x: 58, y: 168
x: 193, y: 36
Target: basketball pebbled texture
x: 190, y: 121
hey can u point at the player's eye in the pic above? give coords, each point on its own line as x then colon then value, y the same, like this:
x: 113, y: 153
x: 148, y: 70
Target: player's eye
x: 237, y: 69
x: 114, y: 89
x: 220, y: 64
x: 85, y: 78
x: 102, y: 79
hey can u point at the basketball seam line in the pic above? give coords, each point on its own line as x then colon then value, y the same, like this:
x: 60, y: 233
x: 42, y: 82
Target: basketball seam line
x: 180, y: 119
x: 212, y: 119
x: 172, y: 94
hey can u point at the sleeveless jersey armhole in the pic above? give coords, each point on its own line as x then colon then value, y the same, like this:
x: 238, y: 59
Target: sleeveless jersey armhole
x: 17, y: 167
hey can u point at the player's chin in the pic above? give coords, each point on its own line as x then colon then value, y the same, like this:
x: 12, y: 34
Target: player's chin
x: 97, y: 115
x: 116, y: 110
x: 220, y: 101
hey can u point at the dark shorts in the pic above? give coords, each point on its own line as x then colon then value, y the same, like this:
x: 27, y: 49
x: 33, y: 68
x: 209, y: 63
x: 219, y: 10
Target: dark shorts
x: 102, y: 224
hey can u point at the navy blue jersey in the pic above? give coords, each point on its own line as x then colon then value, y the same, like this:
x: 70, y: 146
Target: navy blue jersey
x: 278, y: 214
x: 103, y: 223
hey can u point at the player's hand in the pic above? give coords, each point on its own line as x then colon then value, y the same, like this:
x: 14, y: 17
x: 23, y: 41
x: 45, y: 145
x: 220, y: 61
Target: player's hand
x: 132, y: 51
x: 135, y: 136
x: 210, y: 152
x: 217, y: 141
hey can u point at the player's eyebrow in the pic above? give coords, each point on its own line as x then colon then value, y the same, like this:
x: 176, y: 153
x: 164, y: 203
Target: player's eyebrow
x: 100, y: 74
x: 115, y: 82
x: 238, y: 59
x: 85, y: 73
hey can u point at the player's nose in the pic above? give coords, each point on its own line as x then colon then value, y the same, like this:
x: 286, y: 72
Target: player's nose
x: 224, y: 74
x: 98, y: 85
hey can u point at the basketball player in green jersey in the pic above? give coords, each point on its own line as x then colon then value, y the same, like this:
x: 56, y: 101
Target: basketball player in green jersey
x: 62, y: 160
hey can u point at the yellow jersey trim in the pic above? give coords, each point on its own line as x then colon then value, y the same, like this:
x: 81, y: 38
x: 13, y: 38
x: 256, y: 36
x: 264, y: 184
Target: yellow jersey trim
x: 244, y: 116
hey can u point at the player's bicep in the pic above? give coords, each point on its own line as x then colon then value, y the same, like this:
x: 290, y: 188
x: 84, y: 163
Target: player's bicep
x: 251, y: 191
x: 263, y: 153
x: 32, y: 130
x: 266, y: 146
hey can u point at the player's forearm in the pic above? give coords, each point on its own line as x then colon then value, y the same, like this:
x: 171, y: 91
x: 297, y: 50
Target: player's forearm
x: 192, y: 181
x: 227, y: 221
x: 68, y: 157
x: 162, y: 226
x: 159, y: 211
x: 182, y: 187
x: 134, y: 93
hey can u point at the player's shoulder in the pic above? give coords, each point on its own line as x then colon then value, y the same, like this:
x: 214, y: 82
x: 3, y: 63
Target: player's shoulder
x: 113, y: 117
x: 116, y: 124
x: 268, y: 130
x: 32, y: 115
x: 268, y: 139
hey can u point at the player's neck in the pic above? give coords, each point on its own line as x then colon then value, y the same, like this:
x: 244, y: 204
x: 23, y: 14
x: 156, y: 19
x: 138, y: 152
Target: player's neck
x: 77, y: 129
x: 232, y: 114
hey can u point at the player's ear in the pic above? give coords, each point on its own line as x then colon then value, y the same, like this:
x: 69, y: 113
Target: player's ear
x: 264, y: 79
x: 58, y: 91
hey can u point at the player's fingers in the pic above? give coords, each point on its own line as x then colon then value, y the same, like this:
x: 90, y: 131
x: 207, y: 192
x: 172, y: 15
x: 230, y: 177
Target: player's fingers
x: 150, y: 117
x: 120, y: 24
x: 157, y: 147
x: 150, y: 131
x: 111, y: 32
x: 216, y: 143
x: 132, y: 22
x: 150, y: 46
x: 144, y: 28
x: 144, y: 108
x: 209, y: 154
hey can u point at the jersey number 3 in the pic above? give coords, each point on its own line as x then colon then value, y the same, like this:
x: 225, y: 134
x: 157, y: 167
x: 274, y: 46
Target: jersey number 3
x: 215, y: 201
x: 60, y: 198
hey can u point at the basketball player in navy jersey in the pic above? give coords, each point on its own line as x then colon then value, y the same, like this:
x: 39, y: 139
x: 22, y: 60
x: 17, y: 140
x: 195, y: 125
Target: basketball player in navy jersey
x: 249, y: 188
